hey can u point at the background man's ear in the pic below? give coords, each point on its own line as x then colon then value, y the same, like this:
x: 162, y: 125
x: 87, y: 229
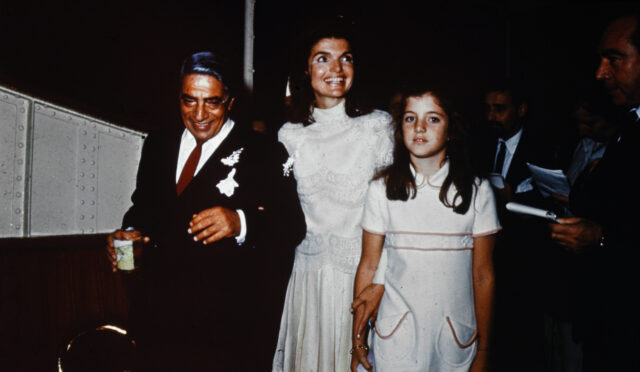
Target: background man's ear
x: 522, y: 109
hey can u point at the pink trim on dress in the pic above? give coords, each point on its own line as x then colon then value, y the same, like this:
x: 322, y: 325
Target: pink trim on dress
x: 480, y: 235
x: 375, y: 328
x: 455, y: 337
x: 373, y: 232
x: 429, y: 233
x: 430, y: 249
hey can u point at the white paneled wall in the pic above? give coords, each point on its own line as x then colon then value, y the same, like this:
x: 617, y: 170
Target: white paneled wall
x: 61, y: 172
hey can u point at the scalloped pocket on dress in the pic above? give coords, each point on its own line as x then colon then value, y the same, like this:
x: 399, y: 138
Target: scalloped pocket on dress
x: 395, y: 329
x: 456, y: 343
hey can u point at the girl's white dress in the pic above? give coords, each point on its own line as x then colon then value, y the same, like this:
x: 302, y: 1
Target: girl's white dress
x: 426, y: 320
x: 334, y: 159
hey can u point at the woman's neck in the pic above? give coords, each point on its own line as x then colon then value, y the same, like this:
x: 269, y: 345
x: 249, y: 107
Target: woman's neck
x: 328, y: 102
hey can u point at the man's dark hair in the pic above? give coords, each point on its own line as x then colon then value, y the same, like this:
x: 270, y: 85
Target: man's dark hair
x: 302, y: 98
x: 514, y: 88
x: 207, y: 63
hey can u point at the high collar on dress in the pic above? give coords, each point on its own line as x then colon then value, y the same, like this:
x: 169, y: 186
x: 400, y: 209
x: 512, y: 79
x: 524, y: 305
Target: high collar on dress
x: 330, y: 115
x: 435, y: 180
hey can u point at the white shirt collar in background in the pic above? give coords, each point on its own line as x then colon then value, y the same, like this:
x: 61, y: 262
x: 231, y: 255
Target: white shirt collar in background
x: 637, y: 110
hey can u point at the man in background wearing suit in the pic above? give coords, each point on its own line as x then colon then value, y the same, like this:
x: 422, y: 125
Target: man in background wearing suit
x: 219, y: 216
x: 604, y: 236
x: 518, y: 260
x: 514, y: 145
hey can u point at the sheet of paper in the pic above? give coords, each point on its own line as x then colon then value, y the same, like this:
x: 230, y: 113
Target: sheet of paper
x: 549, y: 181
x: 524, y: 186
x: 532, y: 211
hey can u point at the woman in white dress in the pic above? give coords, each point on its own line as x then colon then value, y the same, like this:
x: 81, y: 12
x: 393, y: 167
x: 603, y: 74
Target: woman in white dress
x: 436, y: 222
x: 336, y: 146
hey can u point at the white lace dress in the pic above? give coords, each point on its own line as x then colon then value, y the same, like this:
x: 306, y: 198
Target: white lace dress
x: 335, y: 158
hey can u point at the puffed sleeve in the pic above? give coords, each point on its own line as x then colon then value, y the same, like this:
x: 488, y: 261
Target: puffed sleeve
x: 384, y: 139
x: 375, y: 219
x: 375, y: 216
x: 486, y: 217
x: 290, y: 135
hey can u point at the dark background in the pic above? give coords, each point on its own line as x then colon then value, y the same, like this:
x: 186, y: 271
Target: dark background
x: 118, y: 61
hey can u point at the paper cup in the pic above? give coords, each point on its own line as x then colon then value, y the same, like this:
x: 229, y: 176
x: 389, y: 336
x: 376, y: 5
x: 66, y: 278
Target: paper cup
x: 124, y: 254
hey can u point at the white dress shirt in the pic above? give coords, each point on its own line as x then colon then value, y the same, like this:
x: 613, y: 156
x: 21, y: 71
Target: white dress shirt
x: 188, y: 143
x: 586, y: 152
x: 637, y: 110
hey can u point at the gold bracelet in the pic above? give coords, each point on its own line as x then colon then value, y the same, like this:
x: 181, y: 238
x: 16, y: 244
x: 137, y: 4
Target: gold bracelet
x: 356, y: 347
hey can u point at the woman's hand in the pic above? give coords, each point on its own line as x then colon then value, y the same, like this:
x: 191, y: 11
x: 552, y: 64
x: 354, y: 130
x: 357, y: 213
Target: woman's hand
x: 134, y: 235
x: 366, y: 297
x: 359, y: 350
x: 359, y: 356
x: 365, y: 307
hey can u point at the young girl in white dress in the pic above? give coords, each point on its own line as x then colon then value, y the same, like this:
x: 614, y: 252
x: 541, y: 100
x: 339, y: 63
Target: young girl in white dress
x: 436, y: 223
x: 336, y: 146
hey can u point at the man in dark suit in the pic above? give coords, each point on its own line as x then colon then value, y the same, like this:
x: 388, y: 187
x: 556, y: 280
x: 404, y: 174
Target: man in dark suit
x: 220, y: 219
x: 517, y: 255
x: 604, y: 235
x: 514, y: 144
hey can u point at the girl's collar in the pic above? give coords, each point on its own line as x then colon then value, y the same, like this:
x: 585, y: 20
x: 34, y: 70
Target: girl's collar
x: 435, y: 180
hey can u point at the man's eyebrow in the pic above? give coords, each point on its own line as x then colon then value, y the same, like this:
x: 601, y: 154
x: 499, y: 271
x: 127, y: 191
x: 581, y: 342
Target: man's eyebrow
x: 611, y: 52
x: 498, y: 105
x: 321, y: 52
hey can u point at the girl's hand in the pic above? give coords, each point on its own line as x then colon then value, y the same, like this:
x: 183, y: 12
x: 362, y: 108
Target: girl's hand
x: 359, y: 356
x: 369, y: 301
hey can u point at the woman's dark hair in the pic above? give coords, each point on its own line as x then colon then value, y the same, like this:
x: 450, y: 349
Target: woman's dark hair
x: 302, y: 100
x: 207, y: 63
x: 400, y: 181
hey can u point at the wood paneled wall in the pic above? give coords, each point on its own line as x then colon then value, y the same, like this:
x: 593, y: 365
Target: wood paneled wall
x: 51, y: 288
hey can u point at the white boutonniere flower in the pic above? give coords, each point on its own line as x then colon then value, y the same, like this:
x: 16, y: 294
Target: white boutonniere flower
x: 287, y: 166
x: 232, y: 159
x: 228, y: 185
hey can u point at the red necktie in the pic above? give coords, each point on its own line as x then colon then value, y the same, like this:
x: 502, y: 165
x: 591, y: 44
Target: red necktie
x: 189, y: 168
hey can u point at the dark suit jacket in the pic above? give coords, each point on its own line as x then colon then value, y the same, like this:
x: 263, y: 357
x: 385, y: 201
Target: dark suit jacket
x: 189, y: 294
x: 530, y: 149
x: 609, y: 282
x: 520, y: 262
